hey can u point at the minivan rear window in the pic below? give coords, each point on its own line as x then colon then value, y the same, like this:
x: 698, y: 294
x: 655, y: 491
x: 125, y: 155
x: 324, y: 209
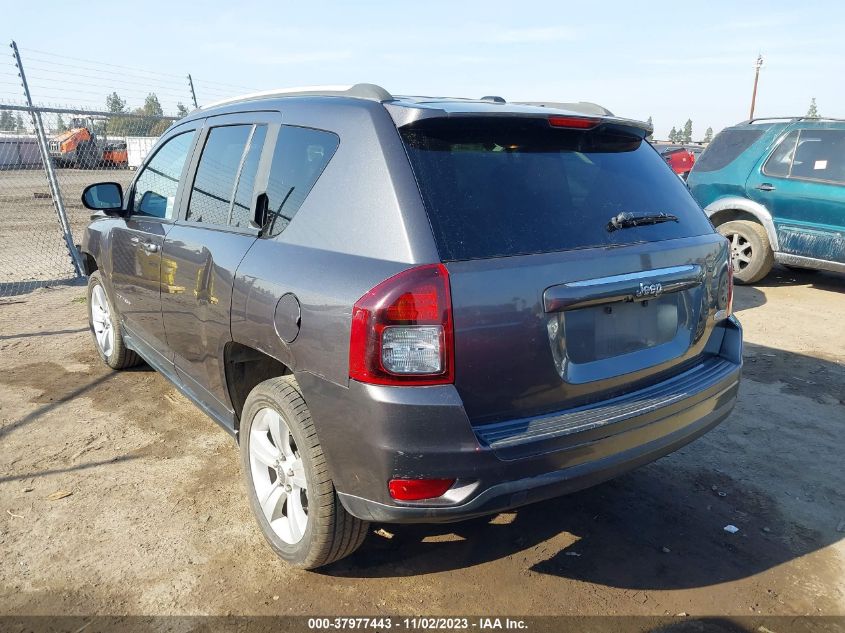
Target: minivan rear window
x: 496, y: 188
x: 725, y: 148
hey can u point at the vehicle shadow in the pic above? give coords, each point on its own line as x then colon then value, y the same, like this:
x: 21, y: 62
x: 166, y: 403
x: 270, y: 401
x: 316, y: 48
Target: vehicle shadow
x: 662, y: 526
x: 823, y: 280
x: 61, y: 394
x: 748, y: 297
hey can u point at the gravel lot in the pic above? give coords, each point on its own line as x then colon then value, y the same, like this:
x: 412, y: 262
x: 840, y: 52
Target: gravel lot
x: 156, y: 521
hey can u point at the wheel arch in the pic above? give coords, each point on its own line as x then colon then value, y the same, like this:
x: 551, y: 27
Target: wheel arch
x: 89, y: 264
x: 245, y: 367
x: 738, y: 208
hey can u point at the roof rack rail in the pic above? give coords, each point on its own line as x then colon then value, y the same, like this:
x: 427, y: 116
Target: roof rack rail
x: 582, y: 107
x: 358, y: 91
x: 792, y: 118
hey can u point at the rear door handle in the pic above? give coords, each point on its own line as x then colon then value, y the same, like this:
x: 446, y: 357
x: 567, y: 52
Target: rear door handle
x: 766, y: 186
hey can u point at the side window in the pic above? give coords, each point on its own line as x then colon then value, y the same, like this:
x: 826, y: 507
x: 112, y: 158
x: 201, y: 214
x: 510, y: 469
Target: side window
x: 214, y: 185
x: 242, y: 211
x: 726, y: 147
x: 780, y: 161
x: 820, y: 155
x: 155, y: 188
x: 300, y: 156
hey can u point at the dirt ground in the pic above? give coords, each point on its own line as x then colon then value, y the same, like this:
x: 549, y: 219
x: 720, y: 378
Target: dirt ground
x: 156, y: 521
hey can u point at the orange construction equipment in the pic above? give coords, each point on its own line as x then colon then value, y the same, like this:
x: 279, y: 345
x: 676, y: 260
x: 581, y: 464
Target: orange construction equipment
x: 79, y: 147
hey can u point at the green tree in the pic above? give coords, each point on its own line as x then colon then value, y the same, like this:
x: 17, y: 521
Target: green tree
x: 19, y: 125
x: 181, y: 110
x: 145, y: 121
x: 114, y: 103
x: 687, y: 134
x: 708, y: 135
x: 673, y: 135
x: 7, y: 121
x: 650, y: 137
x: 61, y: 126
x: 813, y: 112
x: 152, y: 106
x: 117, y: 125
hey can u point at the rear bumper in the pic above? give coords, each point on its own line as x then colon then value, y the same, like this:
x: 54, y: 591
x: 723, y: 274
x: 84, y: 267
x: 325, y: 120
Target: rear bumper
x: 371, y: 434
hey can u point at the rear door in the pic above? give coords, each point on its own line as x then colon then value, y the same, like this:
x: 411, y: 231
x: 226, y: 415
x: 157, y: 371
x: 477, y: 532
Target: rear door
x: 136, y: 244
x: 802, y: 184
x: 554, y: 306
x: 207, y: 243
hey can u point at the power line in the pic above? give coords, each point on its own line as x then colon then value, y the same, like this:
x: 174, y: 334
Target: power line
x: 122, y: 67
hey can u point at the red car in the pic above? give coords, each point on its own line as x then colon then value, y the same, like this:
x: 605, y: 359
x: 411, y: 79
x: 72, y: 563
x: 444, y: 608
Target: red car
x: 679, y: 158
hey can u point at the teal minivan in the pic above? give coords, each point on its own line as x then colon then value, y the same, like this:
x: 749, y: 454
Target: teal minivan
x: 776, y: 189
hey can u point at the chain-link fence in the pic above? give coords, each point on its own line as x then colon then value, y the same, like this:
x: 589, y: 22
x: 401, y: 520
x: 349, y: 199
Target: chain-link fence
x: 49, y: 154
x: 84, y: 147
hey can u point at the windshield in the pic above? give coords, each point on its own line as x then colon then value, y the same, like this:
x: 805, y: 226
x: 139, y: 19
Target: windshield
x: 494, y: 189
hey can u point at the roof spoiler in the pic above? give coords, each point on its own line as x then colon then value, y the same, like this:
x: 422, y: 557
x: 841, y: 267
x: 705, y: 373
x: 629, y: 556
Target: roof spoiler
x: 582, y: 107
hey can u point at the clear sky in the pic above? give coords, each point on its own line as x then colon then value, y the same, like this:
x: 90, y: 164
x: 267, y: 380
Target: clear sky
x: 667, y: 60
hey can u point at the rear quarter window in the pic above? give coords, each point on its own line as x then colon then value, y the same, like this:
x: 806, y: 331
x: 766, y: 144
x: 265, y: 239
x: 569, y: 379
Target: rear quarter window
x: 726, y: 147
x: 300, y: 156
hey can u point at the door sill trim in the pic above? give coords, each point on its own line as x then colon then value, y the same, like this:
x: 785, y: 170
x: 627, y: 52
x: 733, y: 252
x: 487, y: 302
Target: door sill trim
x: 809, y: 262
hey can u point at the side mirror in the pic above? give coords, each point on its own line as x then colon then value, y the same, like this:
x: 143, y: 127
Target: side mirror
x: 104, y: 196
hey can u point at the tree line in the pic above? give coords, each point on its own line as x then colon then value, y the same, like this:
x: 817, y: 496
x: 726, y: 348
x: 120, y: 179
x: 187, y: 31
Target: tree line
x: 683, y: 134
x: 146, y: 120
x: 12, y: 122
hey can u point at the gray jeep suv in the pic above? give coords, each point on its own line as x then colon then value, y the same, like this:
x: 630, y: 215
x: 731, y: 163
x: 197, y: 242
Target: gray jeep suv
x: 411, y: 309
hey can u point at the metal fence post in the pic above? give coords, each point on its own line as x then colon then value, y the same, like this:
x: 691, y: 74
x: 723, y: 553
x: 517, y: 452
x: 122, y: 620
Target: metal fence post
x: 193, y: 92
x: 48, y: 167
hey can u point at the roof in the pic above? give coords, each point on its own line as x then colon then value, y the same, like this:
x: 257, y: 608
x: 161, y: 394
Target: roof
x: 407, y: 109
x: 788, y: 119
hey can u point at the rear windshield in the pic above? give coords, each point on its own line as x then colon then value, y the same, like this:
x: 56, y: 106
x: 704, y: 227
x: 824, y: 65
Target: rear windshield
x: 496, y: 188
x: 727, y: 145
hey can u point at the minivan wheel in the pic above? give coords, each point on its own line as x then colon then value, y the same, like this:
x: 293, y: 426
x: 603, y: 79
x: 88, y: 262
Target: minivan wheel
x: 751, y: 253
x: 102, y: 321
x: 290, y: 491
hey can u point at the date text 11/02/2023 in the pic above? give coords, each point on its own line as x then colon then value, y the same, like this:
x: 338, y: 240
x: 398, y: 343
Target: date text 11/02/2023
x: 416, y: 623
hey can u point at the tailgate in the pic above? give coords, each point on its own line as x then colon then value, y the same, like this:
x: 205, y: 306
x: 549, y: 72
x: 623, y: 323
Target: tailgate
x: 542, y: 333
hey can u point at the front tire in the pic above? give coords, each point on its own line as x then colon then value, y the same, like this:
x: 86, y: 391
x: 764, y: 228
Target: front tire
x: 290, y: 491
x: 751, y: 252
x: 102, y: 321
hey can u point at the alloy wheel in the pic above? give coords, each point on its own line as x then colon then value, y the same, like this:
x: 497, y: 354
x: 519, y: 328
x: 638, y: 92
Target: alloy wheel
x: 101, y: 320
x: 741, y: 251
x: 278, y: 475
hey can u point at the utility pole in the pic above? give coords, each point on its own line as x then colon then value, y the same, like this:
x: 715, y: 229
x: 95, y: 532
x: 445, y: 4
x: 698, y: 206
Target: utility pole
x: 757, y: 66
x: 193, y: 94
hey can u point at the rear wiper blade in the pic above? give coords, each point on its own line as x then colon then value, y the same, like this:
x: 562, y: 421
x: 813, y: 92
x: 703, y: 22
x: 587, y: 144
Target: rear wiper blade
x: 626, y: 220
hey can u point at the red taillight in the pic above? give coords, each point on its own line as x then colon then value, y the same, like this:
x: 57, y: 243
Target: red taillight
x: 574, y: 122
x: 402, y: 330
x: 418, y: 489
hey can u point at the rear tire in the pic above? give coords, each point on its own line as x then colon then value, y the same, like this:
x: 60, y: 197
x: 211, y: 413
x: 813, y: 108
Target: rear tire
x: 102, y: 321
x: 290, y: 491
x: 751, y: 252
